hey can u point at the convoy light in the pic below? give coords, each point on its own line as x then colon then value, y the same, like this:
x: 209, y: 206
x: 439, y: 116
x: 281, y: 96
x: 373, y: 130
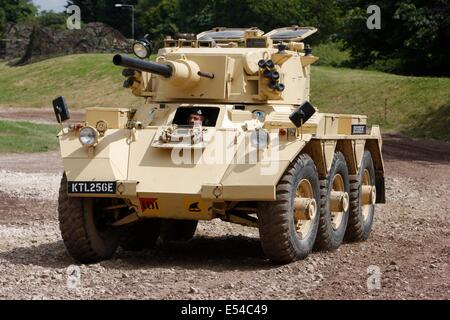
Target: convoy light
x: 141, y: 49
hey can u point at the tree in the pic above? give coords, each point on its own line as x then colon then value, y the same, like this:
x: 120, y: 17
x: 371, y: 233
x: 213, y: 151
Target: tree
x: 265, y: 14
x: 52, y: 19
x: 2, y: 22
x: 159, y: 18
x: 192, y: 16
x: 106, y: 12
x: 327, y: 16
x: 414, y: 37
x: 195, y: 16
x: 15, y: 11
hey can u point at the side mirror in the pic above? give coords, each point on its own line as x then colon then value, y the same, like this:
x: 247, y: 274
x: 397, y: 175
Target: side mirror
x: 302, y: 114
x: 61, y: 109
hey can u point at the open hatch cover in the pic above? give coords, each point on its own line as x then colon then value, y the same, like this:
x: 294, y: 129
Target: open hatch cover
x: 288, y: 34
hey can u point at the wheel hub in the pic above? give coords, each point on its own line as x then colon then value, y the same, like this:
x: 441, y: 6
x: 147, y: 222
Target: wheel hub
x: 339, y: 201
x: 305, y: 208
x: 368, y: 195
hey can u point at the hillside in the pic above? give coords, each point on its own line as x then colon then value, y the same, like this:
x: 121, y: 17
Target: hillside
x: 85, y: 80
x: 417, y: 106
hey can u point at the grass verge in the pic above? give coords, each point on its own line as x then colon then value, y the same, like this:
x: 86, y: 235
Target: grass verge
x: 23, y: 136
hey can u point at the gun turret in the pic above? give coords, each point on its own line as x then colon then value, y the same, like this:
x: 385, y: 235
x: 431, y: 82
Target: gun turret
x: 236, y: 66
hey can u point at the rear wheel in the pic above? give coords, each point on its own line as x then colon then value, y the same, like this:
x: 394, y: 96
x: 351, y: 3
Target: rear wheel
x: 178, y: 230
x: 334, y: 205
x: 86, y: 227
x: 362, y: 201
x: 288, y: 226
x: 141, y: 235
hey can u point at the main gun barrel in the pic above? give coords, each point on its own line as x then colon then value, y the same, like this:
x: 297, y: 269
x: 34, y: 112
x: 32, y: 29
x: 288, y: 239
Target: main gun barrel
x: 147, y: 66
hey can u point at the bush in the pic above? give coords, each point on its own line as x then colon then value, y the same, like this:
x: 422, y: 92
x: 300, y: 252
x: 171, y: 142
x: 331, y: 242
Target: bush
x: 331, y: 54
x: 414, y: 38
x: 52, y: 19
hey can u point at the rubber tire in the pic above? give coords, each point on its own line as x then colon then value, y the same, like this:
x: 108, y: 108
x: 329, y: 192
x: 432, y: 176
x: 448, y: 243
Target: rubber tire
x: 178, y: 230
x: 277, y: 231
x: 78, y: 230
x: 329, y: 239
x: 357, y: 230
x: 141, y: 235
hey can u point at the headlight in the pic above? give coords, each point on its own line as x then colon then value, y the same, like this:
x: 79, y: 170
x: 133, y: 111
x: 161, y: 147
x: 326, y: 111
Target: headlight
x: 141, y: 49
x: 259, y: 139
x: 88, y: 136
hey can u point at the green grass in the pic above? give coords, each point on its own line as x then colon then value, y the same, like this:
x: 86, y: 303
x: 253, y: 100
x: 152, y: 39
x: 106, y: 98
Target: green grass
x: 84, y: 79
x: 22, y: 136
x: 417, y: 106
x: 331, y: 54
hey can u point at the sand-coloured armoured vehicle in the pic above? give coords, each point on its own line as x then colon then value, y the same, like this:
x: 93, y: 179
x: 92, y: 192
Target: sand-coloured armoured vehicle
x: 226, y: 130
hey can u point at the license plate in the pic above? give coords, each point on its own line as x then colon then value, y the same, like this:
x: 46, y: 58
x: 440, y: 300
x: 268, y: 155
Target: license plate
x: 95, y: 187
x: 359, y: 129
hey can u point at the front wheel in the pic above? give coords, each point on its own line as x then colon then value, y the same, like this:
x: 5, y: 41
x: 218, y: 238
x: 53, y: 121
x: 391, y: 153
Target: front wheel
x: 288, y: 226
x: 85, y: 226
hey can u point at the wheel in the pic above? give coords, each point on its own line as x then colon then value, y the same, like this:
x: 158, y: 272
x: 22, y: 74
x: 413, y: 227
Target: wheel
x: 362, y: 201
x: 85, y: 227
x: 178, y: 230
x: 288, y: 225
x: 334, y: 205
x: 141, y: 235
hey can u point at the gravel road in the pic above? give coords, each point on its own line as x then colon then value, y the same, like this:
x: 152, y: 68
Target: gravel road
x: 410, y: 245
